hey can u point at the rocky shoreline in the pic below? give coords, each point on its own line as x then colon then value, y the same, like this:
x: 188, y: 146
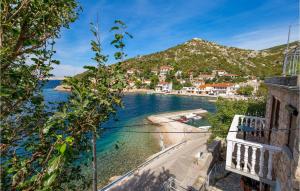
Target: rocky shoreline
x: 63, y: 88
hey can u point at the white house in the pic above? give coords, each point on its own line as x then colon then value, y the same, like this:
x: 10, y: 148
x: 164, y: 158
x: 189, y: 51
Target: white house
x: 191, y: 90
x: 164, y: 87
x: 218, y: 89
x: 219, y: 72
x: 223, y: 88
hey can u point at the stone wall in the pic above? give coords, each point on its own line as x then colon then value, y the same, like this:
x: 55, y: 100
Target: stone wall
x: 286, y: 165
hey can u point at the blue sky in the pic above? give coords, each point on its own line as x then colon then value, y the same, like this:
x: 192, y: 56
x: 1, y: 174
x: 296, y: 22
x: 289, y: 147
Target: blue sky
x: 159, y: 24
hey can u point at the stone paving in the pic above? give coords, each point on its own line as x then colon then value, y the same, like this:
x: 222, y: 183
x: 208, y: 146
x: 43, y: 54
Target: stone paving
x: 179, y: 163
x: 229, y: 183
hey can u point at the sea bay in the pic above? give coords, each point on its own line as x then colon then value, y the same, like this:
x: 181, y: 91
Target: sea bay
x: 119, y: 149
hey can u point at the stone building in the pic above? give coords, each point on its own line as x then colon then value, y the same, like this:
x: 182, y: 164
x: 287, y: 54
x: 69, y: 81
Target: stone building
x: 265, y: 151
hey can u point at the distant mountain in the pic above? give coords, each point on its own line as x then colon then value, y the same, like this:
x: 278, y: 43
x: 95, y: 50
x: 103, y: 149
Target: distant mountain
x: 199, y: 55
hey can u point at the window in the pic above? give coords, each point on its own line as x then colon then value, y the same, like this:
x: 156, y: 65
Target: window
x: 274, y: 122
x: 275, y: 113
x: 292, y: 126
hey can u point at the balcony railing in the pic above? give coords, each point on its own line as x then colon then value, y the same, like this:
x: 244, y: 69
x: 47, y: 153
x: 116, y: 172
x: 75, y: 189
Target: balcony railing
x: 249, y: 158
x: 291, y: 65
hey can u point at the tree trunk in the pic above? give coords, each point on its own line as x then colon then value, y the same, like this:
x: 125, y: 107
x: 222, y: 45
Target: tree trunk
x: 94, y: 163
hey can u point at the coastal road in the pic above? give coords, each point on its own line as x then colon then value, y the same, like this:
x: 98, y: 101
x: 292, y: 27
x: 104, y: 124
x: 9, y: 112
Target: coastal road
x: 179, y: 163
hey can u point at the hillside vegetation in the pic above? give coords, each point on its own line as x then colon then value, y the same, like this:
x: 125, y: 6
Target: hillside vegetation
x: 199, y: 55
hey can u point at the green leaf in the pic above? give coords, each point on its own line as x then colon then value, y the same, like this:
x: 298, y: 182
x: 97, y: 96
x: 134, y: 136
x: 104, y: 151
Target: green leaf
x: 50, y: 180
x: 63, y: 148
x: 54, y: 164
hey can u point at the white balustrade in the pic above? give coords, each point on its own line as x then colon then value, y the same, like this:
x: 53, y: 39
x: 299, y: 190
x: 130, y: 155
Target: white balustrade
x: 242, y: 151
x: 261, y: 162
x: 238, y: 162
x: 253, y: 161
x: 245, y: 169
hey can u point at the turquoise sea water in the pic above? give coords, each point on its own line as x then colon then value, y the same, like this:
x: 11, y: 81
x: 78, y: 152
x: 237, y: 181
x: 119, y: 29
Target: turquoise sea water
x: 133, y: 148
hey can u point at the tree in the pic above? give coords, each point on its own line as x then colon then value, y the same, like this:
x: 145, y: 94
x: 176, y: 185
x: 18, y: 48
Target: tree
x: 176, y: 84
x: 262, y: 90
x: 245, y: 90
x: 154, y: 81
x: 39, y: 145
x: 138, y: 84
x: 187, y: 84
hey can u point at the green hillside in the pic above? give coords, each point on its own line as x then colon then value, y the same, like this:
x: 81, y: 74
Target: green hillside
x: 199, y: 55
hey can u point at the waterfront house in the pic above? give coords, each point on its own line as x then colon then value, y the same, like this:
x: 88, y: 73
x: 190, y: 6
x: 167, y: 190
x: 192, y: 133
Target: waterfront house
x: 223, y: 88
x: 164, y: 87
x: 190, y: 90
x: 265, y: 151
x: 217, y: 89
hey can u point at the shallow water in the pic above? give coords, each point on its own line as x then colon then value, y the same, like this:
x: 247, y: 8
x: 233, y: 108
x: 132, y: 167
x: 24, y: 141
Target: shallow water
x: 133, y: 148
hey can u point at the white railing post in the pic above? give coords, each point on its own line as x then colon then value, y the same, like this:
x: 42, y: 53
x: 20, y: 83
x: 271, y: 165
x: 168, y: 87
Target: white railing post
x: 245, y: 169
x: 253, y: 161
x: 269, y: 176
x: 261, y: 162
x: 229, y: 153
x: 238, y: 157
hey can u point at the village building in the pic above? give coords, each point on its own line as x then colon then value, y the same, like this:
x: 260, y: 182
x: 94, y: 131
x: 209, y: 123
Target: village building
x: 182, y: 81
x: 178, y: 74
x: 190, y: 90
x: 130, y: 72
x: 218, y: 89
x: 131, y: 84
x: 154, y: 71
x: 231, y: 75
x: 164, y: 87
x: 197, y: 83
x: 219, y: 72
x: 206, y: 89
x: 147, y: 82
x: 205, y: 76
x: 164, y: 70
x: 266, y: 151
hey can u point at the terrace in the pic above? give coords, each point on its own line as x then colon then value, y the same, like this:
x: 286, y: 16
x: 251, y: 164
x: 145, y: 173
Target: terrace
x: 246, y: 154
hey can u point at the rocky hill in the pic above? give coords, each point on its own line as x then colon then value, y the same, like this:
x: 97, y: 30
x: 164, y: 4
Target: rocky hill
x: 199, y: 55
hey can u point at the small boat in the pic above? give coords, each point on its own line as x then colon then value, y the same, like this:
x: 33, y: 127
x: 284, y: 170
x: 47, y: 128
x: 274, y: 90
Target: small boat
x: 191, y: 115
x: 197, y: 117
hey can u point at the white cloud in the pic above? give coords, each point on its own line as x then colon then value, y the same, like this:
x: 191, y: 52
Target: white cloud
x: 263, y: 38
x: 62, y: 70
